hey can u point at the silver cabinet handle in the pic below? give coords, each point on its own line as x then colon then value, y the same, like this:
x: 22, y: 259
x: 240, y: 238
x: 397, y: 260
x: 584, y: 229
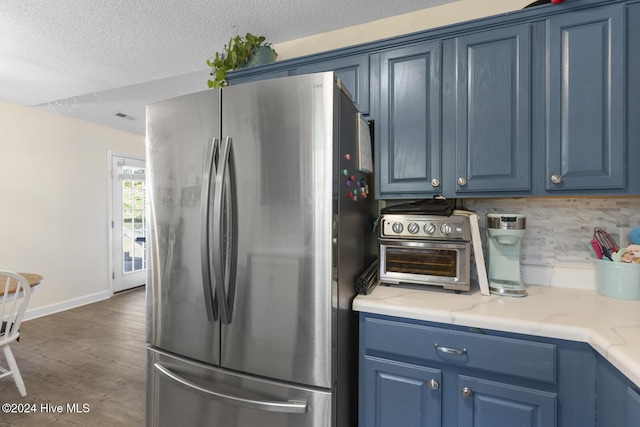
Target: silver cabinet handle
x: 288, y: 407
x: 450, y: 350
x: 462, y: 181
x: 556, y: 179
x: 467, y: 392
x: 433, y: 384
x: 435, y: 182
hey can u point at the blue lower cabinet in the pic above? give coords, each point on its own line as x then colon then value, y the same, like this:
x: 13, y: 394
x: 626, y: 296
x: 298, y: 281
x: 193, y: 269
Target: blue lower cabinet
x: 416, y: 373
x: 400, y: 394
x: 633, y: 408
x: 618, y: 399
x: 489, y: 403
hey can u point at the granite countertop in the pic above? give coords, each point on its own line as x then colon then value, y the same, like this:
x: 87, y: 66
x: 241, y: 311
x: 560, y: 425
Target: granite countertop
x: 611, y: 326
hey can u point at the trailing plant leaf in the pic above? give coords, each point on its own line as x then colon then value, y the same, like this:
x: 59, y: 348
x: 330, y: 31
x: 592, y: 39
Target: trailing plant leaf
x: 234, y: 55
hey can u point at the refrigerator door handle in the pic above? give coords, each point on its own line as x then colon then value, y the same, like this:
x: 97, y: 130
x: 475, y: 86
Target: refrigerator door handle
x: 209, y: 294
x: 224, y: 243
x: 288, y: 407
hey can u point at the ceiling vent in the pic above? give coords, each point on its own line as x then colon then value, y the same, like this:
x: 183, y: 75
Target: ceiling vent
x: 125, y: 116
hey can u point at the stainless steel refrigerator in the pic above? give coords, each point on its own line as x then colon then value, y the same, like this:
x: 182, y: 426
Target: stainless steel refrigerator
x: 261, y: 213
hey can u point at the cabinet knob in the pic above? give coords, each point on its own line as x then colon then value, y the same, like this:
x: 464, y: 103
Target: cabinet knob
x: 466, y: 392
x: 434, y: 385
x: 435, y: 182
x: 556, y: 179
x: 462, y: 181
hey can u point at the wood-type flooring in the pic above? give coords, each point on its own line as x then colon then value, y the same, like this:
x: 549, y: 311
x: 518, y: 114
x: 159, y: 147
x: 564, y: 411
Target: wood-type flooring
x: 81, y: 367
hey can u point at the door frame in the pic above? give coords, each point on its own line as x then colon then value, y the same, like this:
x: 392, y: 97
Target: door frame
x: 110, y: 156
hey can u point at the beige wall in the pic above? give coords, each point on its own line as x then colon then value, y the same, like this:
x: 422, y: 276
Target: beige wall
x: 460, y: 11
x: 54, y: 203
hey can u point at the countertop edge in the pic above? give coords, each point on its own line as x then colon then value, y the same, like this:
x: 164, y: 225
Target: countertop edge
x: 613, y: 347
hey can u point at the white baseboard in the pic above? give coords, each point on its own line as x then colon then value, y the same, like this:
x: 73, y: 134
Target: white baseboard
x: 66, y: 305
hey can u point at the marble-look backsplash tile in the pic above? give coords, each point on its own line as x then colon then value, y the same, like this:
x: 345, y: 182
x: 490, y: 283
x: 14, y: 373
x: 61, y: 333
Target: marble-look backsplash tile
x: 554, y: 249
x: 558, y: 229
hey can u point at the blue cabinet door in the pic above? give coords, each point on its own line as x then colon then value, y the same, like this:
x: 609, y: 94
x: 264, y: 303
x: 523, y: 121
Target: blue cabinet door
x: 353, y: 71
x: 492, y: 129
x: 618, y: 399
x: 633, y: 408
x: 586, y: 100
x: 408, y: 129
x: 491, y: 404
x: 394, y: 394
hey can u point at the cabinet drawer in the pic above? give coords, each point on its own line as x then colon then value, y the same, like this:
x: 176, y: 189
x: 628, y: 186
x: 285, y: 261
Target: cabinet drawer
x: 509, y: 356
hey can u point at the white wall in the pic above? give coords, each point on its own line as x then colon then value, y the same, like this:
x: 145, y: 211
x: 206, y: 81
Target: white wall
x: 54, y: 203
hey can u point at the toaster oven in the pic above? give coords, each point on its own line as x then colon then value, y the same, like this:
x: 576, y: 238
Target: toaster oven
x: 425, y: 250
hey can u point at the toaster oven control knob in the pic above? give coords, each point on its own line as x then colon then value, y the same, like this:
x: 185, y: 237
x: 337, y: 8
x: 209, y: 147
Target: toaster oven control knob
x: 413, y: 228
x: 397, y: 227
x: 429, y: 228
x: 446, y: 229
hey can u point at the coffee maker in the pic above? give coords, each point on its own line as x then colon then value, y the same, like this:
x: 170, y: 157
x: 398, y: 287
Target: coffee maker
x: 504, y: 235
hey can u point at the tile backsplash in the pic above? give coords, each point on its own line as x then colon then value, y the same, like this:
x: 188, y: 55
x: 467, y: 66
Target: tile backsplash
x: 554, y: 249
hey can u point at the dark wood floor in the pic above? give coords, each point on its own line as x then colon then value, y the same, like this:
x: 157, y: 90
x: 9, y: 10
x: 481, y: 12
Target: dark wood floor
x: 93, y: 356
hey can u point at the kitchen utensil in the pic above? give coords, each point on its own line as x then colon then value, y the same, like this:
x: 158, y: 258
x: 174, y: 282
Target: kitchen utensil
x: 616, y: 256
x: 606, y: 242
x: 596, y: 248
x: 634, y: 236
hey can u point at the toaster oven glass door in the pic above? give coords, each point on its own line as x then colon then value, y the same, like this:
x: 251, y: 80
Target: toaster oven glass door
x: 424, y: 262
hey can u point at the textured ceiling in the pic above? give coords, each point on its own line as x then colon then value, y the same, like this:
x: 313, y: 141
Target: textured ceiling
x: 67, y: 55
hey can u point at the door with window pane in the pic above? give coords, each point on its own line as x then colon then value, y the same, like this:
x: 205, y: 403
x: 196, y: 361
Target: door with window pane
x: 129, y: 224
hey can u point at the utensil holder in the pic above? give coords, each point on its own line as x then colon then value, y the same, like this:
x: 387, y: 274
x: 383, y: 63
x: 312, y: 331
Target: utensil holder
x: 619, y: 280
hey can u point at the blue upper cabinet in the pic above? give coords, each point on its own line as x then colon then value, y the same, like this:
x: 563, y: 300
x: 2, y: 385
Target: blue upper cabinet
x: 408, y: 127
x: 585, y: 100
x: 246, y: 75
x: 464, y: 103
x: 353, y: 71
x: 487, y: 114
x: 537, y: 102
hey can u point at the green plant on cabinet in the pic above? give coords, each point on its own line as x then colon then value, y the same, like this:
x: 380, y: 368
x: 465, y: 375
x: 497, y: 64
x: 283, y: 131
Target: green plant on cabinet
x: 241, y: 52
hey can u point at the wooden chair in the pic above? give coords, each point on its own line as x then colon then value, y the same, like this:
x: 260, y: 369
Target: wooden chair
x: 13, y: 302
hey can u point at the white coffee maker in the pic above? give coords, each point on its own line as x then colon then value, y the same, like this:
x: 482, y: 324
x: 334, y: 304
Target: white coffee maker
x: 504, y: 235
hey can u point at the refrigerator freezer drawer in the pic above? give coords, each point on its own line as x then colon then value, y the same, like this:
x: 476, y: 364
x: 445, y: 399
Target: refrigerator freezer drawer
x: 215, y: 397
